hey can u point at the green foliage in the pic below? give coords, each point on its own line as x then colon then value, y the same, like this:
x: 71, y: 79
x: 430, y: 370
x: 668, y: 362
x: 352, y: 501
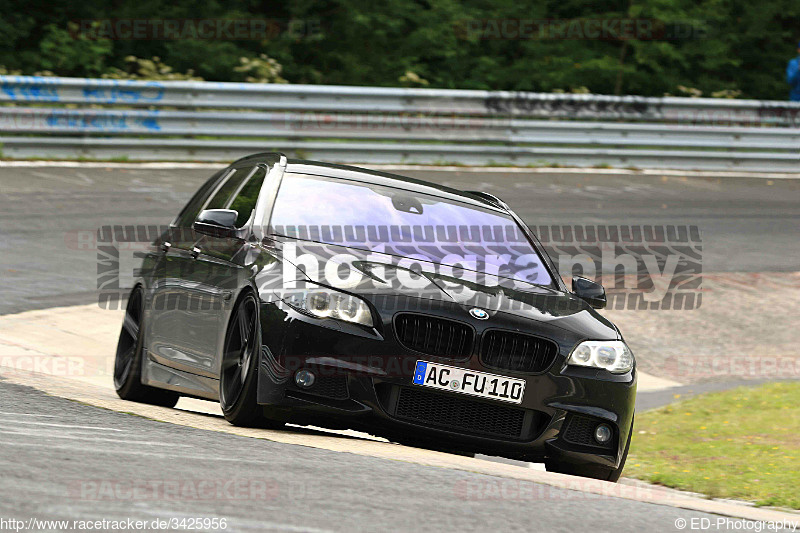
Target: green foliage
x: 412, y: 79
x: 68, y: 51
x: 211, y: 60
x: 148, y: 69
x: 724, y: 48
x: 261, y: 69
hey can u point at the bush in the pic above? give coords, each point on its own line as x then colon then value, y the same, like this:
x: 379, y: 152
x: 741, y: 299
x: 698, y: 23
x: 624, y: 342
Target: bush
x: 148, y: 69
x: 261, y: 69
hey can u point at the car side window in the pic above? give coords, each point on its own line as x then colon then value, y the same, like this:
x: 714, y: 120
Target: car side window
x: 190, y: 211
x: 228, y: 188
x: 245, y: 199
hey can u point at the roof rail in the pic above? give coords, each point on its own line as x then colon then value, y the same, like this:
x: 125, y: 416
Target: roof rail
x: 278, y: 156
x: 492, y: 199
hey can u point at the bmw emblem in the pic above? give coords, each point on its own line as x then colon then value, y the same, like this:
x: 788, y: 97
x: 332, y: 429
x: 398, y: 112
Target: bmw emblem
x: 479, y: 313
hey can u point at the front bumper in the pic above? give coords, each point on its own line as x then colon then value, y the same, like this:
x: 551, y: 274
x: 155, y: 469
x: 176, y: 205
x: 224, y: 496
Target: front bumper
x: 365, y: 382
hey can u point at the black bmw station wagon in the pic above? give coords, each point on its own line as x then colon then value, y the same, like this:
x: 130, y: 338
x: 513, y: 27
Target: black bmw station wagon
x: 300, y: 292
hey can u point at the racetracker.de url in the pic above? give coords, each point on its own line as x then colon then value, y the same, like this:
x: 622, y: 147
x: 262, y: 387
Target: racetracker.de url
x: 123, y: 524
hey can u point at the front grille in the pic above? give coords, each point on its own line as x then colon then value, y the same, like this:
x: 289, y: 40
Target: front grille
x: 580, y: 430
x: 517, y: 352
x: 461, y: 414
x: 434, y: 336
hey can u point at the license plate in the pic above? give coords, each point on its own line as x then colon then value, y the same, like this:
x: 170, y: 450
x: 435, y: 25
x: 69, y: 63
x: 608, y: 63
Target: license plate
x: 470, y: 382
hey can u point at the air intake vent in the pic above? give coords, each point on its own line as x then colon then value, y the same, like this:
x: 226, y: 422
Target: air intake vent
x: 434, y: 336
x: 461, y: 414
x: 517, y: 352
x: 330, y: 387
x: 334, y: 387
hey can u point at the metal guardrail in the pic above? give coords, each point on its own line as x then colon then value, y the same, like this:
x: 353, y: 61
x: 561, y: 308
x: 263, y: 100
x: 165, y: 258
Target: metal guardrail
x: 174, y: 120
x: 395, y: 127
x: 461, y: 154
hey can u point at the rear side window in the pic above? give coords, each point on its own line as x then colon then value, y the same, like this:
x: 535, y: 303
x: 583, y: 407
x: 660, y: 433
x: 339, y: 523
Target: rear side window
x: 245, y: 200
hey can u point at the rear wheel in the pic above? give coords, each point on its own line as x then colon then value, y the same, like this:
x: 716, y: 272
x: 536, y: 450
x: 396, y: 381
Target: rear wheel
x: 593, y: 471
x: 128, y: 361
x: 238, y: 381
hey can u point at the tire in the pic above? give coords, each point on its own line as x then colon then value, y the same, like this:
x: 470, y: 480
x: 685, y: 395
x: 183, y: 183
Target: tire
x: 238, y: 380
x: 593, y: 471
x: 128, y: 360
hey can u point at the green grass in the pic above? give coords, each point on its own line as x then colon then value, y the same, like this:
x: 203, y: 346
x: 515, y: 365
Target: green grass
x: 742, y: 444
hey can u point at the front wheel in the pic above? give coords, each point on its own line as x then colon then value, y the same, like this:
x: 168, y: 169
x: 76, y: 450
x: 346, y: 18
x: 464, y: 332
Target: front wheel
x: 128, y: 361
x: 238, y: 380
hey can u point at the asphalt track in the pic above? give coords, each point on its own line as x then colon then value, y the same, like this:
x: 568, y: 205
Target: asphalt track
x: 64, y: 460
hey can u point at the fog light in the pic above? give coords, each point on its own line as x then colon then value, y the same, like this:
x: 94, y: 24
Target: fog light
x: 602, y: 433
x: 304, y: 379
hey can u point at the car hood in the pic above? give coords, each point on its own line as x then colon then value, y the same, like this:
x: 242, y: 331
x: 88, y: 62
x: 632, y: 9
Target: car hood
x: 374, y: 276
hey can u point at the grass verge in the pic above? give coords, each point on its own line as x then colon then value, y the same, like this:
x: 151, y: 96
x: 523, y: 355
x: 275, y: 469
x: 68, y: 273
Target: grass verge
x: 742, y: 444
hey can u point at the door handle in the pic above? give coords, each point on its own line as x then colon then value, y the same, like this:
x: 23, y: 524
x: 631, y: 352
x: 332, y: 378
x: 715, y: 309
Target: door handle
x: 195, y: 252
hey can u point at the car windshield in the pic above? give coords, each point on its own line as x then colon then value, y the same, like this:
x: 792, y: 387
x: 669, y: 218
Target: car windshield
x: 407, y: 224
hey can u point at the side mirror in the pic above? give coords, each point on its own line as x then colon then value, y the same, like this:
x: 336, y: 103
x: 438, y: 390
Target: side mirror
x: 217, y: 222
x: 591, y: 292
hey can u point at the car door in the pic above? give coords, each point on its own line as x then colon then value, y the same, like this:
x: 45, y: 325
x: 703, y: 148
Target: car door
x: 166, y: 295
x: 209, y: 277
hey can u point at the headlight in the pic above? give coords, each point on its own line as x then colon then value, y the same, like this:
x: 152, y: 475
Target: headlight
x: 328, y: 303
x: 614, y: 356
